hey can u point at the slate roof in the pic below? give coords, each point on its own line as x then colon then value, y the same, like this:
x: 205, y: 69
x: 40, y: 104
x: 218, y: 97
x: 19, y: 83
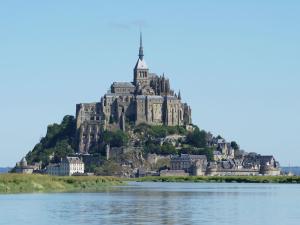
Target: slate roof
x: 140, y: 96
x: 195, y: 157
x: 123, y: 84
x: 72, y: 160
x: 266, y: 158
x: 188, y: 157
x: 115, y: 95
x: 171, y: 97
x: 154, y: 97
x: 141, y: 64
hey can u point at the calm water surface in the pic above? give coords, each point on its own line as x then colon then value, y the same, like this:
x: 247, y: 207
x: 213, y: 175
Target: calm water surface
x: 159, y: 203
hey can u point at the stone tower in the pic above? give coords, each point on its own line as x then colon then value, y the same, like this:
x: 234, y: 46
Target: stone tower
x: 148, y: 99
x: 141, y: 70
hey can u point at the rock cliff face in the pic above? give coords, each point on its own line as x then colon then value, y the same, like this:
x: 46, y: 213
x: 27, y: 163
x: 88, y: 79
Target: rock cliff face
x: 132, y: 163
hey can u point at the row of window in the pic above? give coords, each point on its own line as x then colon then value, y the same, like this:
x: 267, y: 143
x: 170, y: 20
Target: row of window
x: 123, y: 90
x: 143, y: 74
x: 95, y: 118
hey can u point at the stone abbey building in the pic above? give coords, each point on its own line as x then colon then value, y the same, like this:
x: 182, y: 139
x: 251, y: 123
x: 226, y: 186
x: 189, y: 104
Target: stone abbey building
x: 148, y: 99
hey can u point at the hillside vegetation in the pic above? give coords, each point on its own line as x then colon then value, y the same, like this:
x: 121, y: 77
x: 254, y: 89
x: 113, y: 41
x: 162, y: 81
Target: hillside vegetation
x: 58, y: 142
x: 193, y: 142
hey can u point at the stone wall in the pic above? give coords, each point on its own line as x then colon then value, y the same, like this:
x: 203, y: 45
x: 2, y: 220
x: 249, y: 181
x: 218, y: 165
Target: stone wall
x: 168, y: 173
x: 240, y: 172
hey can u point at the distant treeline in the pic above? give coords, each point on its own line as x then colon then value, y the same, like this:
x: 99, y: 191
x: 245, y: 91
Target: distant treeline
x: 294, y: 170
x: 4, y: 169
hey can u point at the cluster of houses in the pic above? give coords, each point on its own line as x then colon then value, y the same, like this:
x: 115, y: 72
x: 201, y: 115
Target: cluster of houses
x: 224, y: 150
x: 225, y: 162
x: 25, y: 168
x: 251, y: 164
x: 68, y: 166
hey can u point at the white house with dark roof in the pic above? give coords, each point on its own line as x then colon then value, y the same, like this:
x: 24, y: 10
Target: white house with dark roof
x: 67, y: 167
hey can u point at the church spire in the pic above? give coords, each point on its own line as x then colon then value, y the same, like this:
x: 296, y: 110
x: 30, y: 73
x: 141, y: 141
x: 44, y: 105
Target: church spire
x: 141, y: 50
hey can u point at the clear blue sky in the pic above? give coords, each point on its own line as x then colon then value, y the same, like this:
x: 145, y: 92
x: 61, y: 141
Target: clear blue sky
x: 235, y: 62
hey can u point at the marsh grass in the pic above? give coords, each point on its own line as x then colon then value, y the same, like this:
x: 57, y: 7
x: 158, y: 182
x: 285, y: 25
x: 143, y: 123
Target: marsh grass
x: 21, y: 183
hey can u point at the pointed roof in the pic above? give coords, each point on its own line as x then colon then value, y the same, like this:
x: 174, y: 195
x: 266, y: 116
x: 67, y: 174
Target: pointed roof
x: 179, y: 95
x: 141, y: 50
x: 141, y: 63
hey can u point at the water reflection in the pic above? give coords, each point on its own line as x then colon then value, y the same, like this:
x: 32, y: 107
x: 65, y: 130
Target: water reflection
x: 159, y: 203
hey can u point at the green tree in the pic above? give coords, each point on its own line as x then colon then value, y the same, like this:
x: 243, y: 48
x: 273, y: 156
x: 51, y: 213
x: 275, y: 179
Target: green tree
x: 197, y: 138
x: 152, y: 147
x: 58, y: 142
x: 234, y: 145
x: 168, y: 149
x: 158, y: 131
x: 115, y: 139
x: 109, y: 168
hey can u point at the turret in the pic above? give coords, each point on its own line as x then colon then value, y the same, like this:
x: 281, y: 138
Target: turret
x: 179, y: 95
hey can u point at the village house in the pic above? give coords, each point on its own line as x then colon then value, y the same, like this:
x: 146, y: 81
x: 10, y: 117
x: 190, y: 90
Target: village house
x: 67, y: 167
x: 190, y: 164
x: 25, y: 168
x: 249, y: 165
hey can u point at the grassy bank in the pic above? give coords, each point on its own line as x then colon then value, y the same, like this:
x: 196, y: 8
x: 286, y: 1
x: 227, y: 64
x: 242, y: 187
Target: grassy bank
x: 225, y: 179
x: 20, y: 183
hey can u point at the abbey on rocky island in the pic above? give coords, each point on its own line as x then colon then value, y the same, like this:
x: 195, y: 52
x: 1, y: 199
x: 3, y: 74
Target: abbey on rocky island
x: 148, y: 99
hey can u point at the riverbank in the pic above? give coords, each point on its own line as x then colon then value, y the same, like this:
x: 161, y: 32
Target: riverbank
x: 224, y: 179
x: 21, y: 183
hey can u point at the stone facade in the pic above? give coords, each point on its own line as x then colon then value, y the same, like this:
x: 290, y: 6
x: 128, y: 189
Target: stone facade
x: 67, y: 167
x: 250, y: 165
x: 23, y: 167
x: 148, y: 99
x: 170, y: 173
x: 88, y: 122
x: 192, y: 164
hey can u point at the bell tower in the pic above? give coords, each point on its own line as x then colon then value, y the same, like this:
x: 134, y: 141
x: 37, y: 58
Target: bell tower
x: 141, y: 70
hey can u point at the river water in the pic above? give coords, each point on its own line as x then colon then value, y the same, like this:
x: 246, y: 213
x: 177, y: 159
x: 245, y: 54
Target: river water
x: 159, y: 203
